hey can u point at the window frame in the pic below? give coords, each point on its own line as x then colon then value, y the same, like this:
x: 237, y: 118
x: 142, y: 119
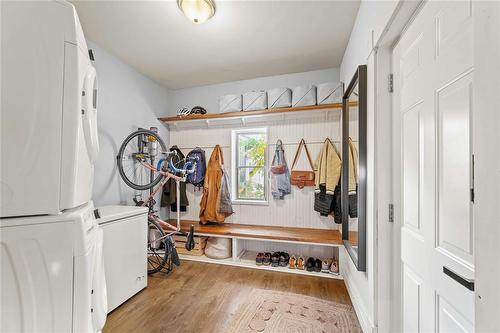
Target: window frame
x: 234, y: 166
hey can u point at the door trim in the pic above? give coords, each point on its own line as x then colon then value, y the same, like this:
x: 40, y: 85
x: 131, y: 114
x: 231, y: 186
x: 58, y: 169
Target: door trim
x: 388, y: 307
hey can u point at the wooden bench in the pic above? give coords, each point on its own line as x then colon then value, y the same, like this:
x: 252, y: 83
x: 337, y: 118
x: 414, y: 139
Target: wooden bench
x: 243, y: 258
x: 324, y: 237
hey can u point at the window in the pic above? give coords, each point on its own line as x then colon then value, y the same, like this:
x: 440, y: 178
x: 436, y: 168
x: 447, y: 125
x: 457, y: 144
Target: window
x: 248, y: 165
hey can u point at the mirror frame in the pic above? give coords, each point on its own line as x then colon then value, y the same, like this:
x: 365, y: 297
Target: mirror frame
x: 358, y: 257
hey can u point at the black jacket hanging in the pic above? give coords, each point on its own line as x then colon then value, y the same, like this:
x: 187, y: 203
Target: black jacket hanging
x: 169, y: 193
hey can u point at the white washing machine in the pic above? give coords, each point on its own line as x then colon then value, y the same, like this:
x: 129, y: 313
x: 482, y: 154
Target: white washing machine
x: 125, y: 251
x: 52, y: 273
x: 48, y: 109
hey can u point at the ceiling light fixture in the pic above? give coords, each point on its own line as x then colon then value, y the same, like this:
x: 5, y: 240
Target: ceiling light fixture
x: 197, y: 11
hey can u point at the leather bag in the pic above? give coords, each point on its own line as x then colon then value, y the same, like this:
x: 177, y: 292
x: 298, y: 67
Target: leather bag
x: 280, y: 167
x: 302, y: 178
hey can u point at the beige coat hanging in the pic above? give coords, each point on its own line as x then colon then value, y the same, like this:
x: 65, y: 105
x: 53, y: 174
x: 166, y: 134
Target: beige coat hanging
x: 328, y: 167
x: 353, y: 167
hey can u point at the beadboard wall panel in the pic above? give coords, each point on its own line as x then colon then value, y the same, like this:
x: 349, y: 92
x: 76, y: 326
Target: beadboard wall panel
x: 297, y: 209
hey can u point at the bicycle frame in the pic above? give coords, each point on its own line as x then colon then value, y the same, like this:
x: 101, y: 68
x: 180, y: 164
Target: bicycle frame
x: 163, y: 224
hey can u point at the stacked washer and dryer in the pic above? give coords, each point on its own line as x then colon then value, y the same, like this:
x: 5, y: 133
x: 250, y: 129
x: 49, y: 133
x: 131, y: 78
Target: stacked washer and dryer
x: 52, y: 272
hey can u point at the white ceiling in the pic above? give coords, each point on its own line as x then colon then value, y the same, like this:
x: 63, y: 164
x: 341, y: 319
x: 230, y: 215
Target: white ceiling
x: 245, y: 39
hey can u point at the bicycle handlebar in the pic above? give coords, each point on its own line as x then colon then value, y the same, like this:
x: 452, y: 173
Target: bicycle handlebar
x: 187, y: 169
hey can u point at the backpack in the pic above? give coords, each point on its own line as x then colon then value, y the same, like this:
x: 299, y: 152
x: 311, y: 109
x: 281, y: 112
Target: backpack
x: 198, y: 176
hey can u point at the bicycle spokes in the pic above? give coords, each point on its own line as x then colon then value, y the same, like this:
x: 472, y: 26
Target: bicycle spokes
x: 138, y: 149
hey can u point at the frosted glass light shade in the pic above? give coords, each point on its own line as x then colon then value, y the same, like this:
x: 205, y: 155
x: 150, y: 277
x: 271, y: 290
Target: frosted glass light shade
x: 197, y: 11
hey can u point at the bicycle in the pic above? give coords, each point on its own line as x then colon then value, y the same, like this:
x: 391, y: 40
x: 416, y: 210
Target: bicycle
x: 136, y: 165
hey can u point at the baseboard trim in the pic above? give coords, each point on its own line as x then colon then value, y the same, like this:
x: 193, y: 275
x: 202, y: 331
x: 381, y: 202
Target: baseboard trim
x: 364, y: 319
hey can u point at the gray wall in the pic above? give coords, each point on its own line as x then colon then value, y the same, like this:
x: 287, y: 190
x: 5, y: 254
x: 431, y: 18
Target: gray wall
x: 208, y: 96
x: 126, y: 100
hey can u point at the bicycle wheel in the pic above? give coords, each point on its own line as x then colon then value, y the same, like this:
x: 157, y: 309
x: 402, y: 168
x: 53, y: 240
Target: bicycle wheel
x: 140, y: 146
x: 158, y: 253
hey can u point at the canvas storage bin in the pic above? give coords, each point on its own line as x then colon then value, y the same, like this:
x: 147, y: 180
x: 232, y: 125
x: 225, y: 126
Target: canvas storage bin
x: 328, y: 93
x: 254, y: 100
x: 279, y: 98
x: 230, y: 103
x: 304, y: 95
x: 218, y: 248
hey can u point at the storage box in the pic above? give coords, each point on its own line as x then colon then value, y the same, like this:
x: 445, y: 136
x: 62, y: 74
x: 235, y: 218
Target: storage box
x: 304, y: 95
x: 329, y: 92
x: 199, y: 247
x: 254, y: 100
x: 279, y: 98
x: 230, y: 103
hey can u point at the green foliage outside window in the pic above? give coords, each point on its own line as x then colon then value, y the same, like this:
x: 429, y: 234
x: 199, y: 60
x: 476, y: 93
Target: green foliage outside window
x: 251, y: 163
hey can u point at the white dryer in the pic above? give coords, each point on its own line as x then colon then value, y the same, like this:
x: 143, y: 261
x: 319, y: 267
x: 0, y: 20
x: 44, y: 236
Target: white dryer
x: 48, y: 109
x: 52, y: 273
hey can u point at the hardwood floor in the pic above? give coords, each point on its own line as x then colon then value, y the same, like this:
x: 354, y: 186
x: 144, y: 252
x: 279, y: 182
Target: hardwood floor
x: 202, y: 298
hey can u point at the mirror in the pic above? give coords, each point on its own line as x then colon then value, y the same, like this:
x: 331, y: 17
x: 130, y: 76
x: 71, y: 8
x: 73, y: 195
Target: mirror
x: 353, y: 183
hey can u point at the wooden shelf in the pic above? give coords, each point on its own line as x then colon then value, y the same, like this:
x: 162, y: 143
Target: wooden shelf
x: 171, y: 119
x: 325, y: 237
x: 247, y: 260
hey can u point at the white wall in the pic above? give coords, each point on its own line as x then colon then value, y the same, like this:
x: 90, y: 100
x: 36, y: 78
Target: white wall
x: 208, y: 96
x: 126, y: 100
x: 372, y: 19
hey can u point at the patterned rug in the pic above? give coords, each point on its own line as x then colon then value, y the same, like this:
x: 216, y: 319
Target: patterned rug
x: 278, y: 312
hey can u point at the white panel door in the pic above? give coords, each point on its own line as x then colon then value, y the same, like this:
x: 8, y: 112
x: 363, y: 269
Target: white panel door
x: 434, y: 76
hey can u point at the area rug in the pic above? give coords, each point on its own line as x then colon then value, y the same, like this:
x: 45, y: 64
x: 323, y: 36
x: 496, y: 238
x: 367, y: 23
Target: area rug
x: 279, y: 312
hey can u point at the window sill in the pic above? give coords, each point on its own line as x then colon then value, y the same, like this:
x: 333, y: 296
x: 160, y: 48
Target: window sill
x: 251, y: 202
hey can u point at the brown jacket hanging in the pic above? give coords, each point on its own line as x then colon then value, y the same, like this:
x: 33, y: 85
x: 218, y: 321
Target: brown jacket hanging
x: 209, y: 210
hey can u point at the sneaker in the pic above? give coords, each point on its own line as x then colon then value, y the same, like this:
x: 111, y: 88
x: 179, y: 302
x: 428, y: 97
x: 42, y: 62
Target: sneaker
x: 284, y: 259
x: 301, y: 264
x: 292, y: 263
x: 325, y: 265
x: 267, y: 259
x: 275, y: 259
x: 317, y: 265
x: 334, y: 268
x: 310, y: 264
x: 259, y: 259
